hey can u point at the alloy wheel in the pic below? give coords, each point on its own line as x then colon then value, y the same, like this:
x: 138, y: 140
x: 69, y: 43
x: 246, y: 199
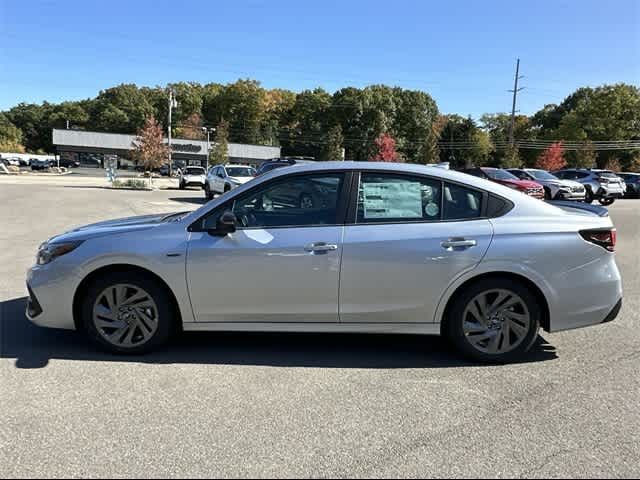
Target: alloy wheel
x: 125, y: 315
x: 496, y: 321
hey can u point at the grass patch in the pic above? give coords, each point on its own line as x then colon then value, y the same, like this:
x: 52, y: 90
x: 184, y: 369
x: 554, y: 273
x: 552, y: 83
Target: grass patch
x: 131, y: 183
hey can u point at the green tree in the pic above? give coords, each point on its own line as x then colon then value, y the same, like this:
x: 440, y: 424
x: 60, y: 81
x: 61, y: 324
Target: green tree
x: 511, y: 158
x: 10, y: 136
x: 332, y: 144
x: 585, y: 157
x: 307, y: 124
x: 121, y: 109
x: 241, y: 104
x: 32, y: 120
x: 219, y: 154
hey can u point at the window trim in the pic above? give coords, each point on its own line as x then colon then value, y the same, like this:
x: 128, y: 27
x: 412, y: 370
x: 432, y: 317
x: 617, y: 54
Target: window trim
x: 341, y: 211
x: 352, y: 213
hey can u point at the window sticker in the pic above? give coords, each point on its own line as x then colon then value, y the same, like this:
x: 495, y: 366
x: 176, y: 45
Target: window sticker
x: 392, y: 200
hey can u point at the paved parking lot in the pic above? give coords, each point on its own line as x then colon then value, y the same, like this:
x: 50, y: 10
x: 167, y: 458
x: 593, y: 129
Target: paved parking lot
x: 302, y: 405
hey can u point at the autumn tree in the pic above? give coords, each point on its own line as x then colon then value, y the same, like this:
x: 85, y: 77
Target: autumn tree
x: 220, y: 151
x: 149, y: 148
x: 385, y: 149
x: 613, y: 164
x: 552, y: 158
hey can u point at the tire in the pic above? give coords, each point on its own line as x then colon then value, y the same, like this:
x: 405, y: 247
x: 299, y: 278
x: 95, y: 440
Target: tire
x: 148, y: 323
x: 547, y: 194
x: 606, y: 201
x: 181, y: 186
x: 489, y: 345
x: 207, y: 192
x: 227, y: 188
x: 588, y: 196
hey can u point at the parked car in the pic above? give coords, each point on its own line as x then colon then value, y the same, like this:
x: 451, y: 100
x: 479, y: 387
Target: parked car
x: 554, y: 188
x: 223, y: 178
x: 601, y: 185
x: 66, y: 163
x: 37, y: 164
x: 282, y: 162
x: 501, y: 176
x: 12, y: 161
x: 190, y: 176
x: 393, y: 248
x: 632, y: 181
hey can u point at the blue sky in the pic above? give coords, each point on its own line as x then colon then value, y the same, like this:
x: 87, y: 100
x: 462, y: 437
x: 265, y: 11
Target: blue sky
x: 463, y: 53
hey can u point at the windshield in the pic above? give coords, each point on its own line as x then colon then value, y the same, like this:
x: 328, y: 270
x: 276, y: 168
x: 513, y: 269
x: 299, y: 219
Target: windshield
x: 542, y: 175
x: 194, y: 171
x: 499, y: 174
x: 241, y: 172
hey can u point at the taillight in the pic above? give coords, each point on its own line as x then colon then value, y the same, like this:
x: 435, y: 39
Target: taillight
x: 604, y: 238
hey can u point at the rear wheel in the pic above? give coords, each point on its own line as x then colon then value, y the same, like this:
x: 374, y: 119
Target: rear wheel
x: 127, y: 313
x: 494, y: 321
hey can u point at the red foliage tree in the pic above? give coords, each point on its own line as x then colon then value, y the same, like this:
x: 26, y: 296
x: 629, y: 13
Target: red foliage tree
x: 386, y: 149
x: 552, y: 158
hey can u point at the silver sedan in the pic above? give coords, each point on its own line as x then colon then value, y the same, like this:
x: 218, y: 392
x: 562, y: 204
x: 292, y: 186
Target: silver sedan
x: 338, y: 247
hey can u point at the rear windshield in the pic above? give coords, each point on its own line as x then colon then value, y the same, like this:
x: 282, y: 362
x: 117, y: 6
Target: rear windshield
x: 499, y: 174
x: 194, y: 171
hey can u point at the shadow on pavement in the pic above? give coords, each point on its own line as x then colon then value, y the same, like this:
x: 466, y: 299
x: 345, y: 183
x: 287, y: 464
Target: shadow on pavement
x: 197, y: 200
x: 32, y: 347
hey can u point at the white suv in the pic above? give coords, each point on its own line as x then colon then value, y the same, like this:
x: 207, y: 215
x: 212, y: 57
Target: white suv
x: 223, y: 178
x: 192, y: 176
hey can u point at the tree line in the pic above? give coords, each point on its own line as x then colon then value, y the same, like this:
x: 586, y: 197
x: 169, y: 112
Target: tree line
x: 352, y: 122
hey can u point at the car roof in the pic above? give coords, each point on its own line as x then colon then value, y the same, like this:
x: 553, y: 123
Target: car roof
x: 235, y: 165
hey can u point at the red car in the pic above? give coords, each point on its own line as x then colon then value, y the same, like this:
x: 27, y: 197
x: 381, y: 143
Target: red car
x: 503, y: 177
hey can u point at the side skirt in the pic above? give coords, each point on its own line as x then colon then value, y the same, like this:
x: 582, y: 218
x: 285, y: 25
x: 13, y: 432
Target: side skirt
x: 390, y: 328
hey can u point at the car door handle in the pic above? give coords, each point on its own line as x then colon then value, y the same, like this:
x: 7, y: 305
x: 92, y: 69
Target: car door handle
x: 458, y: 243
x: 319, y: 247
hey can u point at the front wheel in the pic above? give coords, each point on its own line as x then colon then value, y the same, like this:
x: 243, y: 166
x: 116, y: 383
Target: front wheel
x: 494, y: 321
x: 127, y: 313
x: 588, y: 197
x: 207, y: 192
x: 606, y: 201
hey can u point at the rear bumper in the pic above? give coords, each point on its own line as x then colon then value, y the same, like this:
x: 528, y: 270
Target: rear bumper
x: 614, y: 313
x: 611, y: 192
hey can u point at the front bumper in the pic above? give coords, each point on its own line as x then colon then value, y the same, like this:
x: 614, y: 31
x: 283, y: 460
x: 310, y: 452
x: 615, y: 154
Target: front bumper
x: 51, y: 292
x: 611, y: 192
x: 570, y: 195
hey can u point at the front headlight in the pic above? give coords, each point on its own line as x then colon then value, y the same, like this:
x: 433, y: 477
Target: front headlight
x: 48, y: 252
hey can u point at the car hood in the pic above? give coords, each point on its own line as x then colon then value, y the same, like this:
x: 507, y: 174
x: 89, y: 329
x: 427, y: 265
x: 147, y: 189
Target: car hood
x: 117, y: 226
x: 241, y: 180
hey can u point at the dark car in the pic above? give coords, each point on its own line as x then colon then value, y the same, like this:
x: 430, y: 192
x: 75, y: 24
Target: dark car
x: 37, y: 164
x: 67, y: 163
x: 282, y: 162
x: 632, y: 180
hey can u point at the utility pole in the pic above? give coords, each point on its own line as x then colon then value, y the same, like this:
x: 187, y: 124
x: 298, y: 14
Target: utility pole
x: 172, y: 105
x: 513, y: 108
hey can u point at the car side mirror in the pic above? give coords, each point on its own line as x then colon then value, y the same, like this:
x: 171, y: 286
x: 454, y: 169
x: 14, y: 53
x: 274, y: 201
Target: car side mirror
x: 226, y: 224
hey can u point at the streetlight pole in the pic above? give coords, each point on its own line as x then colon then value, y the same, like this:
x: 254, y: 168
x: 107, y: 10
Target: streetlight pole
x: 172, y: 105
x: 209, y: 131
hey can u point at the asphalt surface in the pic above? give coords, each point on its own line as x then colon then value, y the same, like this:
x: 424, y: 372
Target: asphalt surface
x: 303, y: 405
